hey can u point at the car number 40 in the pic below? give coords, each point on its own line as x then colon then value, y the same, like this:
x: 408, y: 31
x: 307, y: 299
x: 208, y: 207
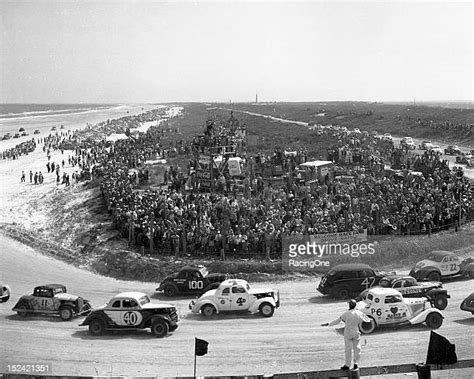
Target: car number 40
x: 130, y: 318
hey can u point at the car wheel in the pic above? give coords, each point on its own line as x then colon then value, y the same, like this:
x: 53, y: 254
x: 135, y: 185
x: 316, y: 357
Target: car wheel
x: 368, y: 327
x: 96, y: 327
x: 342, y: 293
x: 434, y: 320
x: 434, y: 276
x: 66, y: 313
x: 159, y: 328
x: 170, y: 290
x: 208, y: 310
x: 22, y: 310
x: 6, y: 295
x: 467, y: 275
x: 440, y: 302
x: 266, y: 309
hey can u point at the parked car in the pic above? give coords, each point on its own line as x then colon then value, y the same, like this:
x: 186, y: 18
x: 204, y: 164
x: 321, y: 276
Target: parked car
x: 235, y: 295
x: 442, y: 264
x: 409, y: 287
x: 7, y: 136
x: 387, y: 306
x: 21, y: 129
x: 387, y: 137
x: 52, y: 299
x: 468, y: 304
x: 132, y: 311
x: 452, y: 150
x: 5, y: 293
x: 24, y: 134
x: 37, y: 131
x: 407, y: 142
x: 436, y: 149
x: 190, y: 280
x: 16, y: 135
x: 349, y: 278
x: 425, y: 145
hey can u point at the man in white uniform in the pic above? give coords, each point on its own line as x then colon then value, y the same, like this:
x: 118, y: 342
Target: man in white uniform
x: 352, y: 319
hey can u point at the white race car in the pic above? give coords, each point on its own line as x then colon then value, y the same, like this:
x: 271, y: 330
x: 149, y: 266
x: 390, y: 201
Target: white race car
x: 234, y: 295
x: 442, y: 264
x: 387, y: 306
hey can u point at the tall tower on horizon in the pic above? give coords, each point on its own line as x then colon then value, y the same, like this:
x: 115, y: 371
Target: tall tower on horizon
x: 256, y: 97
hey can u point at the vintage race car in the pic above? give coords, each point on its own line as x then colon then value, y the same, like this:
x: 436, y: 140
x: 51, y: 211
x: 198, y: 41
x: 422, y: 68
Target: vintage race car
x: 387, y: 306
x: 194, y: 280
x: 234, y: 295
x: 409, y: 287
x: 4, y: 293
x: 468, y: 304
x: 52, y: 299
x: 442, y: 264
x: 132, y: 311
x: 349, y: 278
x: 452, y: 150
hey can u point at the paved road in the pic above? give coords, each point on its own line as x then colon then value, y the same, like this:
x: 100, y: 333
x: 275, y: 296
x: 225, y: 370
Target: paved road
x: 290, y: 341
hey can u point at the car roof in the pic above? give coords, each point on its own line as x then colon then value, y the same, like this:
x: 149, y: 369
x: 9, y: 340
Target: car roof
x: 192, y: 268
x: 234, y: 282
x: 441, y: 253
x: 351, y: 266
x: 382, y: 291
x: 133, y: 295
x: 397, y: 277
x: 51, y: 286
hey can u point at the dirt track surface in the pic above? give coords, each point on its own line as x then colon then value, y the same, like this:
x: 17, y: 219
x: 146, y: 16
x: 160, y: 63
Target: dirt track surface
x: 290, y: 341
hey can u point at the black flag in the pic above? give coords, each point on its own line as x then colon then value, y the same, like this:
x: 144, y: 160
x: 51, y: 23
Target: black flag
x: 440, y: 350
x: 200, y: 347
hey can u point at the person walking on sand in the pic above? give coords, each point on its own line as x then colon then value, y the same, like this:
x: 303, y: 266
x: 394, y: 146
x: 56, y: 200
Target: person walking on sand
x: 22, y: 176
x: 36, y: 177
x: 352, y: 319
x: 31, y: 176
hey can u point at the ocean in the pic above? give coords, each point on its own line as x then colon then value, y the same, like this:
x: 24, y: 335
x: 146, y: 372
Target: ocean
x: 44, y: 117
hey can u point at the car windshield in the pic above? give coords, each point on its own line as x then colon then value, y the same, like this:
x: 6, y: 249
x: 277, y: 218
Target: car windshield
x: 59, y: 290
x: 144, y: 300
x: 385, y: 283
x: 203, y: 271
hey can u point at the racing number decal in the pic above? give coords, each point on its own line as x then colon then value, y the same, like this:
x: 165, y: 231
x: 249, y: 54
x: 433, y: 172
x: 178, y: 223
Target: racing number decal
x: 241, y: 301
x: 454, y: 267
x: 130, y: 318
x: 377, y: 311
x: 196, y: 285
x: 368, y: 282
x: 44, y: 303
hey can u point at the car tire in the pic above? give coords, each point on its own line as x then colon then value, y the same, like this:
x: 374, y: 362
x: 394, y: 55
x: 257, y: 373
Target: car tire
x: 66, y: 313
x: 434, y: 276
x: 467, y: 275
x: 170, y: 290
x: 208, y: 310
x: 342, y: 293
x: 368, y: 327
x: 266, y: 309
x: 434, y: 320
x: 440, y: 302
x: 159, y: 328
x: 22, y: 310
x: 96, y: 327
x: 6, y: 295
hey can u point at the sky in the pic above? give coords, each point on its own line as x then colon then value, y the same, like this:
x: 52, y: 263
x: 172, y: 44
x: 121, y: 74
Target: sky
x: 209, y: 51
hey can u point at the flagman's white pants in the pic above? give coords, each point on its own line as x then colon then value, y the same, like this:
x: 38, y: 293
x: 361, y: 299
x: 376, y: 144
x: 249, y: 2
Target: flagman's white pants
x: 352, y: 344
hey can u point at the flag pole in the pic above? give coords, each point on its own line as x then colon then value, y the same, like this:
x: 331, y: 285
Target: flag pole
x: 195, y: 365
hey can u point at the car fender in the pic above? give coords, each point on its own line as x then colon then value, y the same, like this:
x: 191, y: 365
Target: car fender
x: 437, y: 291
x: 97, y: 315
x: 422, y: 316
x: 256, y: 304
x: 152, y: 318
x: 199, y: 305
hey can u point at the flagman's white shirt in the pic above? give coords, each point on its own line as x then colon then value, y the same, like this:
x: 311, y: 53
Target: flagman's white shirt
x: 352, y: 319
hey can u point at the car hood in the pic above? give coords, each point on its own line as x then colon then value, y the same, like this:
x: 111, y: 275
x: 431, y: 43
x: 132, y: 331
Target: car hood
x: 156, y: 305
x: 66, y: 297
x: 255, y: 291
x: 210, y: 293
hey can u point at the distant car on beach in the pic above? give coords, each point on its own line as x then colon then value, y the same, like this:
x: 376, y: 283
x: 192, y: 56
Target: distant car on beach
x: 21, y: 129
x: 16, y: 135
x: 452, y: 150
x: 53, y: 128
x: 24, y: 134
x: 37, y: 131
x: 7, y: 136
x: 425, y: 145
x: 4, y: 293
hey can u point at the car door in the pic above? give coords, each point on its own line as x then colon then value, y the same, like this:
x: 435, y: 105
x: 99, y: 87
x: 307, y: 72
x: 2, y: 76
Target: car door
x: 44, y: 299
x: 181, y: 281
x: 224, y: 300
x: 395, y: 310
x: 114, y: 312
x: 449, y: 265
x: 131, y: 315
x: 239, y: 298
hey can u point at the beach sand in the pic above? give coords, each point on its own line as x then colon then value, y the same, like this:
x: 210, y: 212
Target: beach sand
x: 19, y: 202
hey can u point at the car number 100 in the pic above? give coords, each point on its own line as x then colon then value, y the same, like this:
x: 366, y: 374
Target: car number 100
x: 196, y: 285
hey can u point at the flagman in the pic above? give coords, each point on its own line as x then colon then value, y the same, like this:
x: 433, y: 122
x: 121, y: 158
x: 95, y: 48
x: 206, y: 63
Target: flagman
x: 352, y: 319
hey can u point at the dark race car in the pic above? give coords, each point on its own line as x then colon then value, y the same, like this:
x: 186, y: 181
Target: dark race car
x: 52, y: 299
x: 349, y: 278
x: 5, y: 293
x: 132, y: 311
x: 190, y: 280
x: 468, y: 304
x: 409, y: 287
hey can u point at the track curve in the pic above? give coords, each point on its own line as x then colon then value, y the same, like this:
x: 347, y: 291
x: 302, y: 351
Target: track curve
x: 290, y: 341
